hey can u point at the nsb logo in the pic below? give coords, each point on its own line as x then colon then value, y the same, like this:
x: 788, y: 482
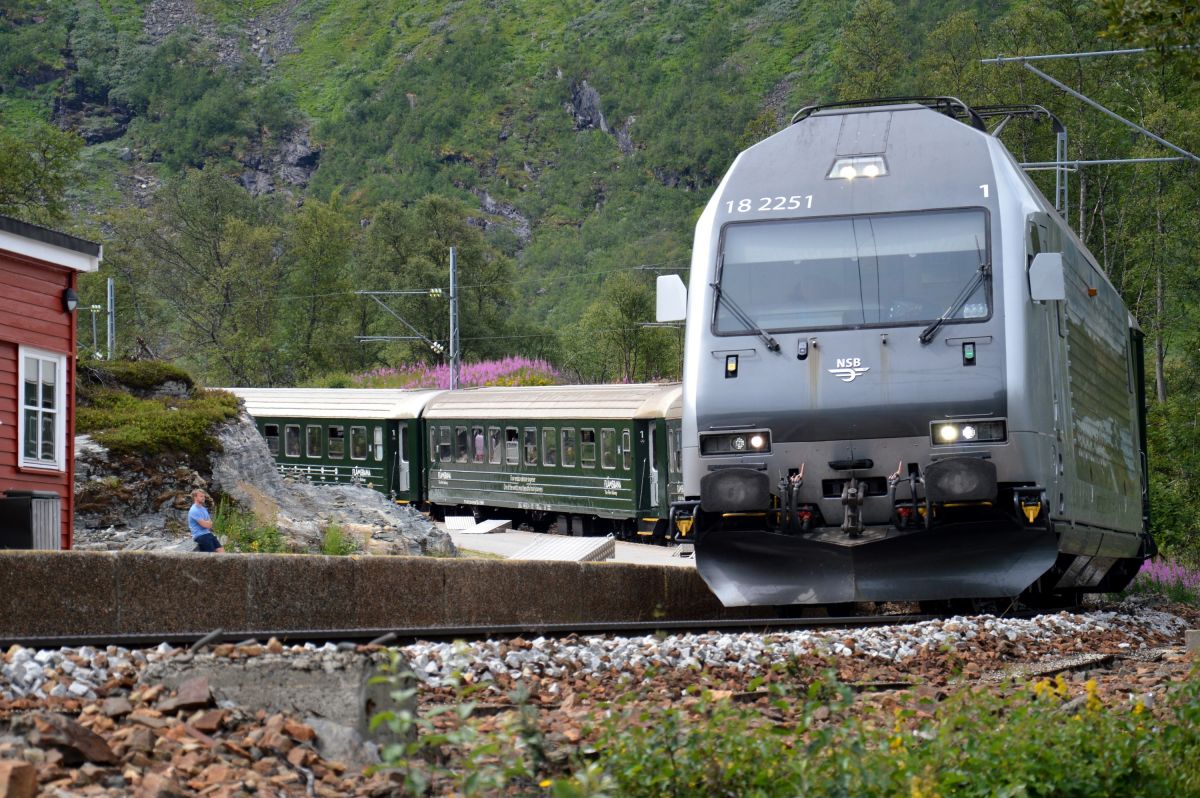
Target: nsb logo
x: 849, y: 369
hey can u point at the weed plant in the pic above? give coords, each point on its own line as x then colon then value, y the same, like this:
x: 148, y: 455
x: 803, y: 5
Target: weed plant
x: 240, y: 531
x: 1040, y: 738
x: 336, y: 542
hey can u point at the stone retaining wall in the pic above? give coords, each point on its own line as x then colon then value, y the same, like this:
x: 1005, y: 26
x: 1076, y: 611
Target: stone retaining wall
x: 90, y: 594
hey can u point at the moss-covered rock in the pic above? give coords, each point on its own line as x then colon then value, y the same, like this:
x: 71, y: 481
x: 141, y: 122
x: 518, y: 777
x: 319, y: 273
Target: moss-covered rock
x: 142, y: 377
x: 147, y: 407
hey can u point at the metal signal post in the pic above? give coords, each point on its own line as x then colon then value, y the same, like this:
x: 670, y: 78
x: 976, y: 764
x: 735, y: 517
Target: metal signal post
x: 455, y: 352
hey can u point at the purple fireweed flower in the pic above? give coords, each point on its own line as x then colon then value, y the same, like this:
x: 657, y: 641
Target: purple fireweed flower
x: 1168, y: 573
x: 513, y: 370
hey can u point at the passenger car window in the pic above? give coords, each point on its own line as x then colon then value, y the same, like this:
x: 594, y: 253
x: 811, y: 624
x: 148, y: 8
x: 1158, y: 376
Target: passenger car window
x: 291, y: 440
x: 587, y: 446
x: 358, y: 443
x: 608, y: 448
x: 460, y: 445
x: 271, y: 433
x: 378, y: 444
x: 531, y: 449
x: 512, y: 453
x: 549, y: 452
x: 433, y: 444
x: 494, y: 445
x: 477, y: 445
x: 445, y: 451
x: 337, y: 443
x: 568, y: 446
x: 312, y: 442
x: 626, y: 450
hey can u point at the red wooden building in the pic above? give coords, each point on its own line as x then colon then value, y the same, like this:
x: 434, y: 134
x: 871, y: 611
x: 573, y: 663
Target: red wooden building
x: 38, y: 296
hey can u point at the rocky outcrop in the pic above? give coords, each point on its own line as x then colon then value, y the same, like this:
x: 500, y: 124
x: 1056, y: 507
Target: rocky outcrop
x: 125, y: 503
x: 290, y: 162
x: 585, y: 107
x: 519, y: 224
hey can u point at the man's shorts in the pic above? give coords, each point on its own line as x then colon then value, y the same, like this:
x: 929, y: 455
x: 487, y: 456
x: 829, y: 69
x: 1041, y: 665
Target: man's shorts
x: 207, y: 542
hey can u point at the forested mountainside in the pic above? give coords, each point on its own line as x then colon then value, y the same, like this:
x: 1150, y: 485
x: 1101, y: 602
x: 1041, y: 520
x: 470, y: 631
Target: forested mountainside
x: 250, y: 164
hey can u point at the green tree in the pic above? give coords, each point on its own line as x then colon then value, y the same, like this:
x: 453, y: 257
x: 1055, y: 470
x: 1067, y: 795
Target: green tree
x: 36, y: 168
x: 1168, y: 26
x: 408, y: 248
x: 318, y: 314
x: 869, y: 55
x: 611, y: 342
x: 203, y: 277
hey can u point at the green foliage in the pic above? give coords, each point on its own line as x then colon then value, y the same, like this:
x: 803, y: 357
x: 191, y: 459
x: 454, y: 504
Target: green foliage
x: 191, y: 109
x: 37, y: 165
x: 240, y: 531
x: 140, y: 375
x: 127, y: 425
x: 870, y: 56
x: 1164, y: 25
x: 513, y: 754
x: 610, y: 343
x: 335, y: 542
x: 1043, y: 738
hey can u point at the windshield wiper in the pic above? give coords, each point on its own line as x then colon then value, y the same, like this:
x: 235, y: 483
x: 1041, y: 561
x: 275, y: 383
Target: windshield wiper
x: 981, y: 274
x: 747, y: 322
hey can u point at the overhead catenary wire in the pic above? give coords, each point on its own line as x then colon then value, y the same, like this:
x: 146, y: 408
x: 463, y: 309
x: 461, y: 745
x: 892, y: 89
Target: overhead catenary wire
x: 480, y: 286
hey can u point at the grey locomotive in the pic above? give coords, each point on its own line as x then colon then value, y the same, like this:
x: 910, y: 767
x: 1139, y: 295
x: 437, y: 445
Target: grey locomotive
x: 905, y: 377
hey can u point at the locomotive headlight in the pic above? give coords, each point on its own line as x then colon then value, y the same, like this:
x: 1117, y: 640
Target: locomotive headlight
x: 753, y: 442
x: 946, y: 433
x: 850, y: 168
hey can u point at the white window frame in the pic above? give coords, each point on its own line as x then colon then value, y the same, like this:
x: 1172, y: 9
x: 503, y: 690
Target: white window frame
x: 60, y: 409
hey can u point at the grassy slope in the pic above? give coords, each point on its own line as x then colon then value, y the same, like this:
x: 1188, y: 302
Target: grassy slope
x: 472, y: 96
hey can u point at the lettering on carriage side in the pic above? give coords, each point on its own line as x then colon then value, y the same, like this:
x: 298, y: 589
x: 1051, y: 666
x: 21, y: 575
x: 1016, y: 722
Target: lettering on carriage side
x: 523, y: 483
x: 444, y: 476
x: 359, y: 471
x: 611, y: 486
x: 766, y: 204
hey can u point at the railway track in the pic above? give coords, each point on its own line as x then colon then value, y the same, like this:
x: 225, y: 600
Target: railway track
x: 403, y: 636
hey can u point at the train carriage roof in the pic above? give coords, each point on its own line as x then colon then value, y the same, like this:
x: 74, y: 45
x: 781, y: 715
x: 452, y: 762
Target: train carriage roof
x: 560, y: 402
x: 364, y: 403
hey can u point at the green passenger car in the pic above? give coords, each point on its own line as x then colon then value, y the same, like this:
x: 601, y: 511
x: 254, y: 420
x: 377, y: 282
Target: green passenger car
x: 370, y: 437
x: 587, y: 458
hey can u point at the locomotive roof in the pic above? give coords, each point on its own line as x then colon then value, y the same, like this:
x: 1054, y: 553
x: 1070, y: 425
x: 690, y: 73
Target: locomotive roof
x: 364, y: 403
x: 560, y: 402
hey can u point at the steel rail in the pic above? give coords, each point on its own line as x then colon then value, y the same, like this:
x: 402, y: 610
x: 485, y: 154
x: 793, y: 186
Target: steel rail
x: 401, y: 635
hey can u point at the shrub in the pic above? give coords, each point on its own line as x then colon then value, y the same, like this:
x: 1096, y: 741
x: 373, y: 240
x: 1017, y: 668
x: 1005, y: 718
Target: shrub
x: 139, y: 375
x: 240, y: 531
x: 1019, y: 739
x: 125, y: 424
x: 335, y: 542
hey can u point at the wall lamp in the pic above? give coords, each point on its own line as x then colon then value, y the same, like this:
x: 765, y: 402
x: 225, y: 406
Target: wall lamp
x: 70, y: 300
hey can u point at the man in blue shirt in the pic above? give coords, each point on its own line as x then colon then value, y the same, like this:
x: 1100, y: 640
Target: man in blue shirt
x: 201, y: 524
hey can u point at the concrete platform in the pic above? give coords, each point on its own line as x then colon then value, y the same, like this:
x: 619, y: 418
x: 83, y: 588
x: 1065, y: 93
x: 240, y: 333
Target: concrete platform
x: 569, y: 549
x: 512, y: 542
x: 78, y: 594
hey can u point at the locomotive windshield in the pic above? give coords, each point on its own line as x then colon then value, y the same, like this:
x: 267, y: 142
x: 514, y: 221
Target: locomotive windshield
x: 884, y: 269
